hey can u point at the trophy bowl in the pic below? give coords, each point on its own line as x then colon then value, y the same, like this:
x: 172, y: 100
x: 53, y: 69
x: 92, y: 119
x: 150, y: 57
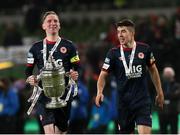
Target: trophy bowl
x: 53, y: 82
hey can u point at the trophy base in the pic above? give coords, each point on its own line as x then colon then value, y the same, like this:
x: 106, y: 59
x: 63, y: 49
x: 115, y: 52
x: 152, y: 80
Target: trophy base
x: 56, y: 103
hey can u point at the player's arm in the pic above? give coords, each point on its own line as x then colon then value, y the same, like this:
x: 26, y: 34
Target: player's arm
x: 100, y: 87
x: 106, y: 69
x: 31, y: 79
x: 75, y: 63
x: 157, y: 83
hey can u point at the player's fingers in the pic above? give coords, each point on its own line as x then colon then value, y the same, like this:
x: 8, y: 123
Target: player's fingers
x: 32, y: 80
x: 156, y: 101
x: 97, y: 101
x: 74, y: 74
x: 161, y: 104
x: 102, y: 98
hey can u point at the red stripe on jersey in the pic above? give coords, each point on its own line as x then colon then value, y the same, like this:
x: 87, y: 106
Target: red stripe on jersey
x: 77, y: 62
x: 104, y: 70
x: 29, y: 65
x: 125, y: 49
x: 50, y: 42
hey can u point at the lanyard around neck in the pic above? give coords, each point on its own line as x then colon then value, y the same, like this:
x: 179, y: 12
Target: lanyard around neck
x: 128, y: 69
x: 52, y: 50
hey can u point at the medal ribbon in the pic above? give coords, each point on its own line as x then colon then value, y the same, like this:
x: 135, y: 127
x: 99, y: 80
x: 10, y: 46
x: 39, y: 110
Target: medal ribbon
x: 52, y: 50
x: 128, y: 69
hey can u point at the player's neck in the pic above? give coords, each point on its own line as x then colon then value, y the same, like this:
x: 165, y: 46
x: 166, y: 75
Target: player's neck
x: 129, y: 44
x: 52, y: 38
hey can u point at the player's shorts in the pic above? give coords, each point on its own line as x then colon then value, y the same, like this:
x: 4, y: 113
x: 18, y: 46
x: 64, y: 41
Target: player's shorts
x: 58, y: 117
x: 128, y: 118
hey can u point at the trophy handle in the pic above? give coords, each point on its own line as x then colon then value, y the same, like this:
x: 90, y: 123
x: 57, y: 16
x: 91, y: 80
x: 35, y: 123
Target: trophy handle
x: 34, y: 98
x: 35, y: 90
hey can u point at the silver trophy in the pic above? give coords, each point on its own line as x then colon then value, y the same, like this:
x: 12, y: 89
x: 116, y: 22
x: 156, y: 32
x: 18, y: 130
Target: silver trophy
x: 53, y: 82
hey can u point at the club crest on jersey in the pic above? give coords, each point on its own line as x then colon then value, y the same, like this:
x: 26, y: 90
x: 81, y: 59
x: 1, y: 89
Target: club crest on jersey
x: 140, y: 55
x: 63, y: 49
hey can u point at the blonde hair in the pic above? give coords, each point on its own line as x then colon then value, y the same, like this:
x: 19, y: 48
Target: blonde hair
x: 48, y: 13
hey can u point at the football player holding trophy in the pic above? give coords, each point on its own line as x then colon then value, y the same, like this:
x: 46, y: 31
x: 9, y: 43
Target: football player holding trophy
x: 53, y: 76
x: 57, y: 63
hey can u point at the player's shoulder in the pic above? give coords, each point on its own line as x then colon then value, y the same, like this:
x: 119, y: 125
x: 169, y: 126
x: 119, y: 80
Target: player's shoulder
x: 37, y: 43
x: 67, y: 42
x: 142, y: 44
x: 114, y: 49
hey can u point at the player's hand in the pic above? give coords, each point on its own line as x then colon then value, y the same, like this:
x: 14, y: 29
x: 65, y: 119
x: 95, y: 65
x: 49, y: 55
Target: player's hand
x: 74, y: 74
x: 99, y: 99
x: 160, y: 100
x: 32, y: 80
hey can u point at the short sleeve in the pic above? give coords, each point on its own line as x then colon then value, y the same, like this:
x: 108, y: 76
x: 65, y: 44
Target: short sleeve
x: 74, y: 57
x: 31, y: 56
x: 108, y: 62
x: 30, y: 61
x: 150, y: 59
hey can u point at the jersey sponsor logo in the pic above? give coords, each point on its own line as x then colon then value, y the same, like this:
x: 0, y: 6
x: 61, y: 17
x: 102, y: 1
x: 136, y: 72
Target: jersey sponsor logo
x: 59, y: 63
x: 135, y: 72
x: 63, y: 49
x: 74, y: 59
x: 141, y: 55
x: 30, y: 60
x: 135, y: 69
x: 105, y: 66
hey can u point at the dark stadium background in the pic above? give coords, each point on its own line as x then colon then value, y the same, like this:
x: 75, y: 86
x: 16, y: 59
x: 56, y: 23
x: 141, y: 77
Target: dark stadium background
x: 89, y: 24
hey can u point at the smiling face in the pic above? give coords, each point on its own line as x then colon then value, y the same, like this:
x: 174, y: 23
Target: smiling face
x: 125, y: 34
x: 51, y: 24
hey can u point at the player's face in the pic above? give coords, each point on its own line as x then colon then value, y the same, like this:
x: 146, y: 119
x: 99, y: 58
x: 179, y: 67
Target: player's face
x: 51, y: 24
x: 124, y: 35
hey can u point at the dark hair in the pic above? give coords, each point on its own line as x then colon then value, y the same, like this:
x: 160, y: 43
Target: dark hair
x: 46, y: 14
x: 125, y: 22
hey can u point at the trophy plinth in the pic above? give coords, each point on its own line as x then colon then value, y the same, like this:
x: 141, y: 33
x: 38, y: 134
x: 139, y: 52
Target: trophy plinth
x: 53, y: 82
